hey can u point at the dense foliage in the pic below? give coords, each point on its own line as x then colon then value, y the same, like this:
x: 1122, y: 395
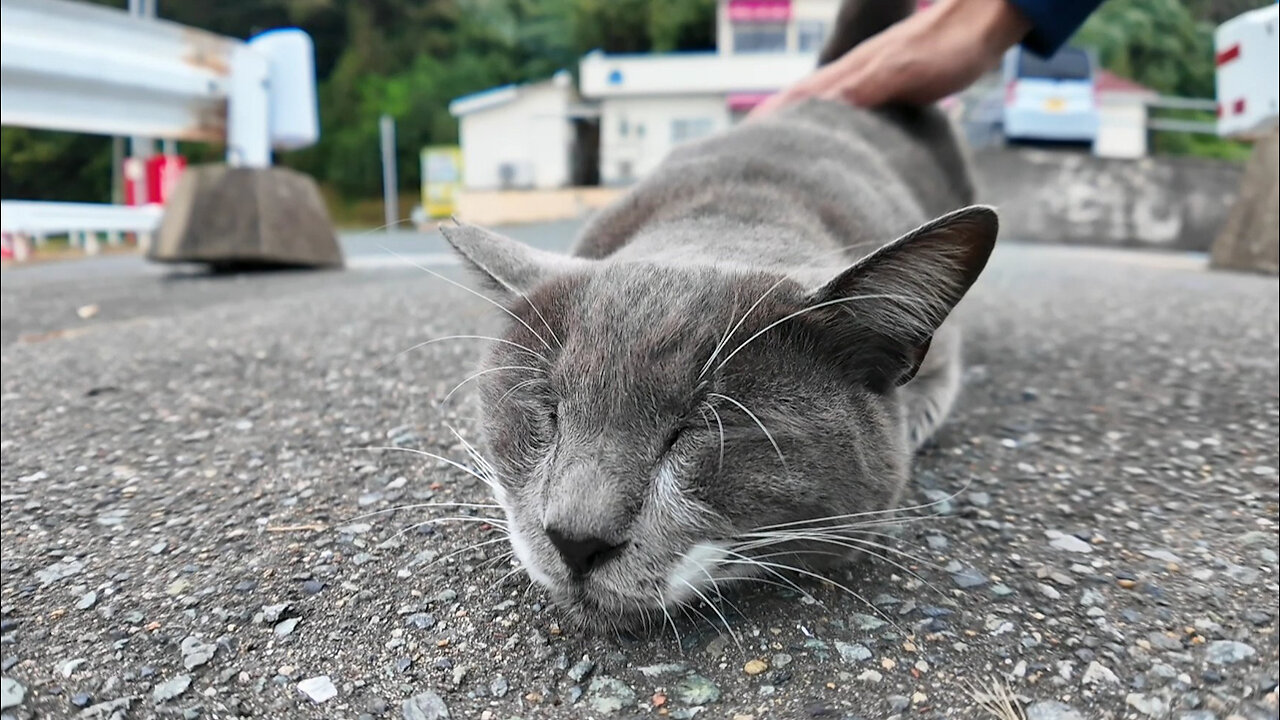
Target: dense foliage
x: 409, y: 58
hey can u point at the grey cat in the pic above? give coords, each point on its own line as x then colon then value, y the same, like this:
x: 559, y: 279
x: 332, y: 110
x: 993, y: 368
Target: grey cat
x: 727, y: 380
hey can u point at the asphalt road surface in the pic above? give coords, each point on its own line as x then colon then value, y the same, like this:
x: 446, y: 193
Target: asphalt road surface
x: 189, y: 527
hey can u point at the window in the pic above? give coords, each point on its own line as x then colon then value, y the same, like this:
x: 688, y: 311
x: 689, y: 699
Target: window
x: 1067, y: 64
x: 624, y: 128
x: 810, y: 35
x: 759, y: 37
x: 686, y: 129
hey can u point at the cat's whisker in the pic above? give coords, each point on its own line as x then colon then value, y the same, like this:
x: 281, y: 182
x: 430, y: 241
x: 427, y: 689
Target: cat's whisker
x: 519, y: 293
x: 794, y: 553
x: 767, y: 539
x: 868, y: 513
x: 758, y: 579
x: 414, y: 451
x: 686, y: 608
x: 747, y: 560
x: 711, y: 581
x: 475, y: 454
x: 433, y: 341
x: 473, y: 546
x: 662, y: 603
x: 498, y: 558
x: 456, y: 518
x: 823, y: 578
x: 811, y: 308
x: 517, y: 386
x: 725, y: 340
x: 515, y: 571
x: 864, y: 546
x: 482, y: 296
x: 763, y: 429
x: 545, y: 324
x: 883, y: 521
x: 720, y: 426
x: 419, y: 506
x: 732, y: 635
x: 638, y: 610
x: 384, y: 226
x: 486, y: 371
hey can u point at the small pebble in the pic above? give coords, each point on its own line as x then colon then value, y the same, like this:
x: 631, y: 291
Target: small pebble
x: 1228, y: 652
x: 969, y: 578
x: 424, y: 706
x: 171, y: 689
x: 319, y: 688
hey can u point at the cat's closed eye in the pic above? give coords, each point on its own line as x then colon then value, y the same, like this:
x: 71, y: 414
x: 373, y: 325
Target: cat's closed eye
x: 672, y: 438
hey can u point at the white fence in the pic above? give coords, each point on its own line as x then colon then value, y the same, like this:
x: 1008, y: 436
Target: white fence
x: 92, y: 69
x: 81, y: 222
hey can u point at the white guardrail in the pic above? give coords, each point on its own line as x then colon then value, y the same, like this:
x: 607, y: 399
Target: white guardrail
x: 93, y: 69
x: 79, y: 221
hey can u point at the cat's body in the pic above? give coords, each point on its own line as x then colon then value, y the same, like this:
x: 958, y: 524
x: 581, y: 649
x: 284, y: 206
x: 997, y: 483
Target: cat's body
x: 730, y: 375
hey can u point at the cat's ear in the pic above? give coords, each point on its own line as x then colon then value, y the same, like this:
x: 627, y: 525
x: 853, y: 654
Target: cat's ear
x: 889, y: 304
x: 507, y: 266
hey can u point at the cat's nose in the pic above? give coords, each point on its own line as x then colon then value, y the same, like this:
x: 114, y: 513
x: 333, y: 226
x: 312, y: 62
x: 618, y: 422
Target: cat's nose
x: 583, y: 554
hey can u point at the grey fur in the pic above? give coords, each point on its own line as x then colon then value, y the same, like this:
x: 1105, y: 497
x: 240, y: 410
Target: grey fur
x: 723, y: 353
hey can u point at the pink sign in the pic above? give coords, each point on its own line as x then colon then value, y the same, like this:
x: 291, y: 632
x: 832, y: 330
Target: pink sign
x: 760, y: 11
x: 741, y: 102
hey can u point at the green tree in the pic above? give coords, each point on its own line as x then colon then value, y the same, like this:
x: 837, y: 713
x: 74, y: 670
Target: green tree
x: 1158, y: 43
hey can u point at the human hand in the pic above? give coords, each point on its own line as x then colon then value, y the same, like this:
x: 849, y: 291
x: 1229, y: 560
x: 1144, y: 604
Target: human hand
x: 922, y: 59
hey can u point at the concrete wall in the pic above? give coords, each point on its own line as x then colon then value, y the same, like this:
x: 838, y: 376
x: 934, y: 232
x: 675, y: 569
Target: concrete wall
x: 532, y: 134
x: 1043, y: 196
x: 1071, y: 197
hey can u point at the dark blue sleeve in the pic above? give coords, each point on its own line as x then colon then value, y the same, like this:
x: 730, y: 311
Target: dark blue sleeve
x: 1053, y: 21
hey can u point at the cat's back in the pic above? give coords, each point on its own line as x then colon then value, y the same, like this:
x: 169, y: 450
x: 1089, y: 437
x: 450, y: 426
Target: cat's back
x: 858, y: 177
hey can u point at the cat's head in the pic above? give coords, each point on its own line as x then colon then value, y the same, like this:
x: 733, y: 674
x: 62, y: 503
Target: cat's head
x: 653, y: 429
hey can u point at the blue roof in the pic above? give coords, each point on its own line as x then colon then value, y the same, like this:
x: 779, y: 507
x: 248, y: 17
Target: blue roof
x: 485, y: 93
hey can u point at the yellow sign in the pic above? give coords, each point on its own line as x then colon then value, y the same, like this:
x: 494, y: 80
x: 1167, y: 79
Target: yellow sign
x: 1055, y: 105
x: 441, y: 179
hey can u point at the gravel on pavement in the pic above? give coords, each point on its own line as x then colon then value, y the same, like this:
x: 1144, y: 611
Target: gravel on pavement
x: 195, y: 524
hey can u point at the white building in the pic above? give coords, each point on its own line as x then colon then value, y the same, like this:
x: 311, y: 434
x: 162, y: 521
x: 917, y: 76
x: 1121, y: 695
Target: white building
x: 650, y: 104
x: 1122, y: 116
x: 518, y: 136
x: 532, y: 136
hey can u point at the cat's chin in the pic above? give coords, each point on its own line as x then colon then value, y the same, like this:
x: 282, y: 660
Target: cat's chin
x: 588, y: 613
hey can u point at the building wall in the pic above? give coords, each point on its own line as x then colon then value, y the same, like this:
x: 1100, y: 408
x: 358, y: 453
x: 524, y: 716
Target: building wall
x: 805, y: 14
x: 636, y: 133
x: 1122, y: 126
x: 531, y: 135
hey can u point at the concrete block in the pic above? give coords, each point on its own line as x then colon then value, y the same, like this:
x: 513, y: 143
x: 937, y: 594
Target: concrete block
x: 1158, y: 203
x: 1250, y: 239
x: 246, y: 217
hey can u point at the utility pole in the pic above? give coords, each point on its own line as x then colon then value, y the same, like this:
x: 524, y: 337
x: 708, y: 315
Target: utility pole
x: 390, y: 183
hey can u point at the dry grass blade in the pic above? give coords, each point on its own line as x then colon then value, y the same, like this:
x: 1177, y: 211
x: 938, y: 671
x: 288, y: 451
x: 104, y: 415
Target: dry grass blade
x: 997, y: 699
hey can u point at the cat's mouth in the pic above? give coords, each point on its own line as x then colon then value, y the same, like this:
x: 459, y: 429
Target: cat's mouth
x: 593, y: 608
x: 603, y: 605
